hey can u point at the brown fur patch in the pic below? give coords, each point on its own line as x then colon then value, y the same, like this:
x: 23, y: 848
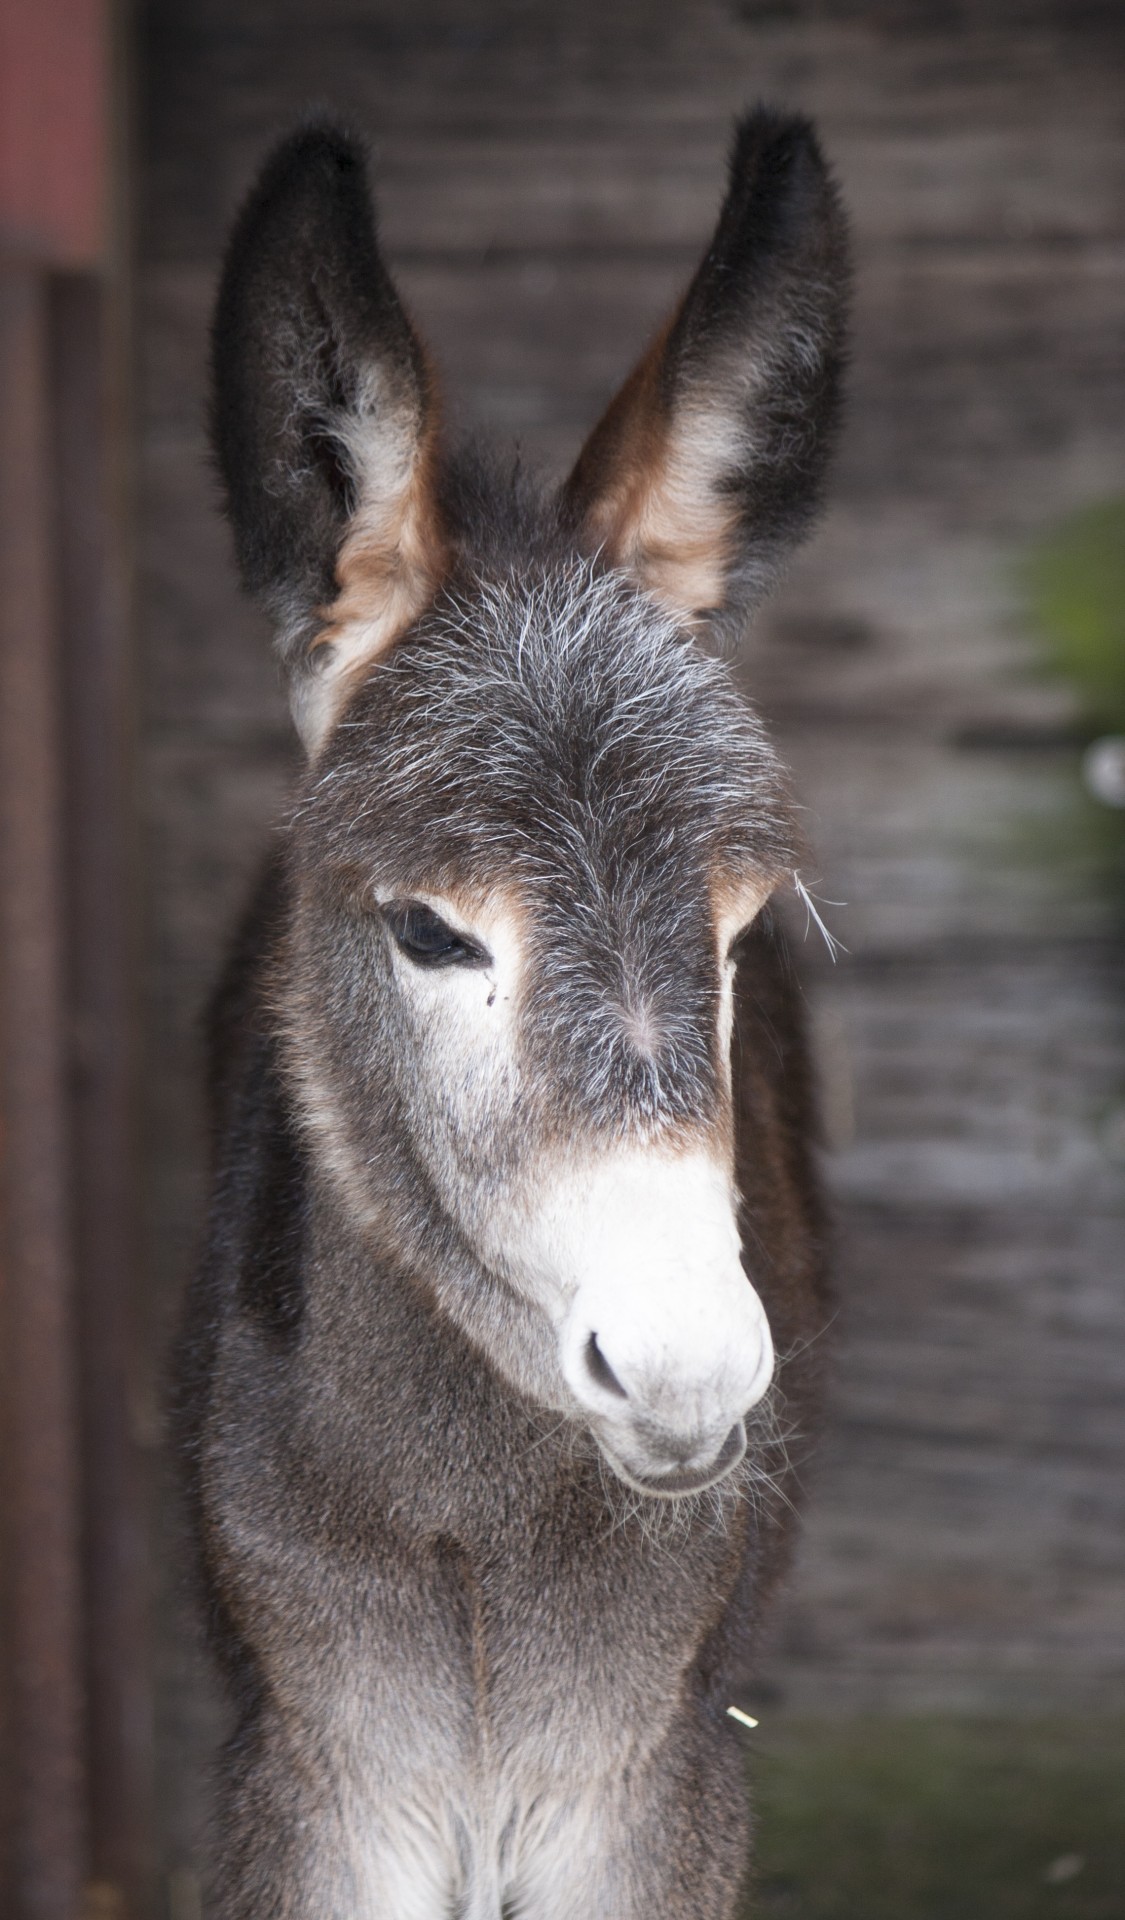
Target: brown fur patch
x: 389, y: 567
x: 390, y: 564
x: 736, y: 902
x: 644, y: 490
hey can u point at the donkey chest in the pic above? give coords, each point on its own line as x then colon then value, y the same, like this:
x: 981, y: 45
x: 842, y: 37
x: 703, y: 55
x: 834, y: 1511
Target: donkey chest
x: 540, y: 1653
x: 518, y: 1660
x: 515, y: 1614
x: 475, y: 1717
x: 491, y: 1735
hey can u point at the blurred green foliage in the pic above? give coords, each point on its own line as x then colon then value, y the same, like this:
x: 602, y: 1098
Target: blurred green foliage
x: 939, y: 1819
x: 1075, y: 579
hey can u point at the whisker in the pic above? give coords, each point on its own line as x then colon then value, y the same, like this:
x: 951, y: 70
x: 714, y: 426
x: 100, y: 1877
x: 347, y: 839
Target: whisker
x: 834, y: 945
x: 549, y: 1435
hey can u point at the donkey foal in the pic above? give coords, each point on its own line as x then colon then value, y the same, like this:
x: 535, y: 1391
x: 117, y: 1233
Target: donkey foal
x: 513, y: 1202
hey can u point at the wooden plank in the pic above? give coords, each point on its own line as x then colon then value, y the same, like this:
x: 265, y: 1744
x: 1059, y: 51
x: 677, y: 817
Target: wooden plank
x: 919, y: 119
x: 964, y: 1538
x: 96, y: 746
x: 41, y: 1806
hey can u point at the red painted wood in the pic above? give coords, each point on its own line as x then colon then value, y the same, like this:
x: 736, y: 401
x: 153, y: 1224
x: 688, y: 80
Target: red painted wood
x: 54, y: 71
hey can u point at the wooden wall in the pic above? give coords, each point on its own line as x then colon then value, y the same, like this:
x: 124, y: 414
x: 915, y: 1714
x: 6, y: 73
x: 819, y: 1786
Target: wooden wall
x: 546, y: 174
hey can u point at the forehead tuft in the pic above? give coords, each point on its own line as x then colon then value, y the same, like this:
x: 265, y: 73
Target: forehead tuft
x: 554, y: 708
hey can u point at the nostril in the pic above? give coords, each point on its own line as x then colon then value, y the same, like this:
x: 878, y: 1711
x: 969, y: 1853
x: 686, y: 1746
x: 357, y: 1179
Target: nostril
x: 599, y: 1369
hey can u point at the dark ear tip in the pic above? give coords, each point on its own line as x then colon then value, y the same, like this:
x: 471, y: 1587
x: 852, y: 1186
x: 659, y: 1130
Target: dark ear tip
x: 766, y: 131
x: 326, y: 140
x: 313, y: 178
x: 778, y: 153
x: 321, y: 151
x: 782, y: 192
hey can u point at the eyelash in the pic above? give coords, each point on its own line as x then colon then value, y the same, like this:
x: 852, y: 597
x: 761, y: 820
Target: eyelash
x: 427, y: 940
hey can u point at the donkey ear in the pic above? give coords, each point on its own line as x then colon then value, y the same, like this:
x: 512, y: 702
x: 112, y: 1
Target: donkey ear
x: 324, y: 423
x: 710, y: 462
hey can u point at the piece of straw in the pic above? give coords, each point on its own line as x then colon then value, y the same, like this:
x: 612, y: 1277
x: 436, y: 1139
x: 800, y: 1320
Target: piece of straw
x: 834, y: 946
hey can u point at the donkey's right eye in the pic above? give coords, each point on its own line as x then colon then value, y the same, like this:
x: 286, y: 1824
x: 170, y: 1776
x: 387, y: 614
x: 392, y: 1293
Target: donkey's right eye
x: 424, y: 937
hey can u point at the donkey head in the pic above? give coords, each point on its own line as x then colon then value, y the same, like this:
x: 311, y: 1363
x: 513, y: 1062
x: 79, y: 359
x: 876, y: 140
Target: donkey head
x: 538, y: 818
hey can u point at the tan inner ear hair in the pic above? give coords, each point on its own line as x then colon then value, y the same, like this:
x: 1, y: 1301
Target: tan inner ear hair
x: 736, y: 903
x: 388, y: 569
x: 645, y: 488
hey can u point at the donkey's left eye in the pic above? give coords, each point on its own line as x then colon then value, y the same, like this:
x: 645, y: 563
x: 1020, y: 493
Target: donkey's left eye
x: 424, y: 937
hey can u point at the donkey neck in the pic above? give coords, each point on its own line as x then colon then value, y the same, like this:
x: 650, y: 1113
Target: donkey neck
x: 450, y: 1440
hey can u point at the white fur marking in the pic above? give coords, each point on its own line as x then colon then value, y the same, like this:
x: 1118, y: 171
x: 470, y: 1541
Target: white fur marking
x: 640, y: 1249
x: 731, y: 924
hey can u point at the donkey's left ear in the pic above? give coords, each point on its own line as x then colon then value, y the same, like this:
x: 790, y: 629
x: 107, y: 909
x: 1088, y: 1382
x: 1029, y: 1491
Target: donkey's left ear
x: 324, y: 423
x: 709, y: 464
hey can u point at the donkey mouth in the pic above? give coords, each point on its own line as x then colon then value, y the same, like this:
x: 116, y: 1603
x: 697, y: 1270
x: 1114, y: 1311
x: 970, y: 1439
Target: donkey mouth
x: 678, y: 1482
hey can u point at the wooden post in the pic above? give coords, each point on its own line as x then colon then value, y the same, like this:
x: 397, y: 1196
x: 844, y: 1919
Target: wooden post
x: 75, y: 1741
x: 44, y: 1836
x: 95, y: 745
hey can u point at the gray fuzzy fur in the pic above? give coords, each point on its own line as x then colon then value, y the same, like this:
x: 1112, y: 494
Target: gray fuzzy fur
x: 473, y: 1672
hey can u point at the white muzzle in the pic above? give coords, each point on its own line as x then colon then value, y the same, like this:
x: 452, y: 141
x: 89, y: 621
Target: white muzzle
x: 663, y: 1341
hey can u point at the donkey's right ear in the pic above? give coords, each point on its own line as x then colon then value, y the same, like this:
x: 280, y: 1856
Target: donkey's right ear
x: 324, y: 423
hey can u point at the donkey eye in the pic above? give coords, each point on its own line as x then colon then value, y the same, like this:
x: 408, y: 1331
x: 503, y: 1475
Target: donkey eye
x: 424, y: 937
